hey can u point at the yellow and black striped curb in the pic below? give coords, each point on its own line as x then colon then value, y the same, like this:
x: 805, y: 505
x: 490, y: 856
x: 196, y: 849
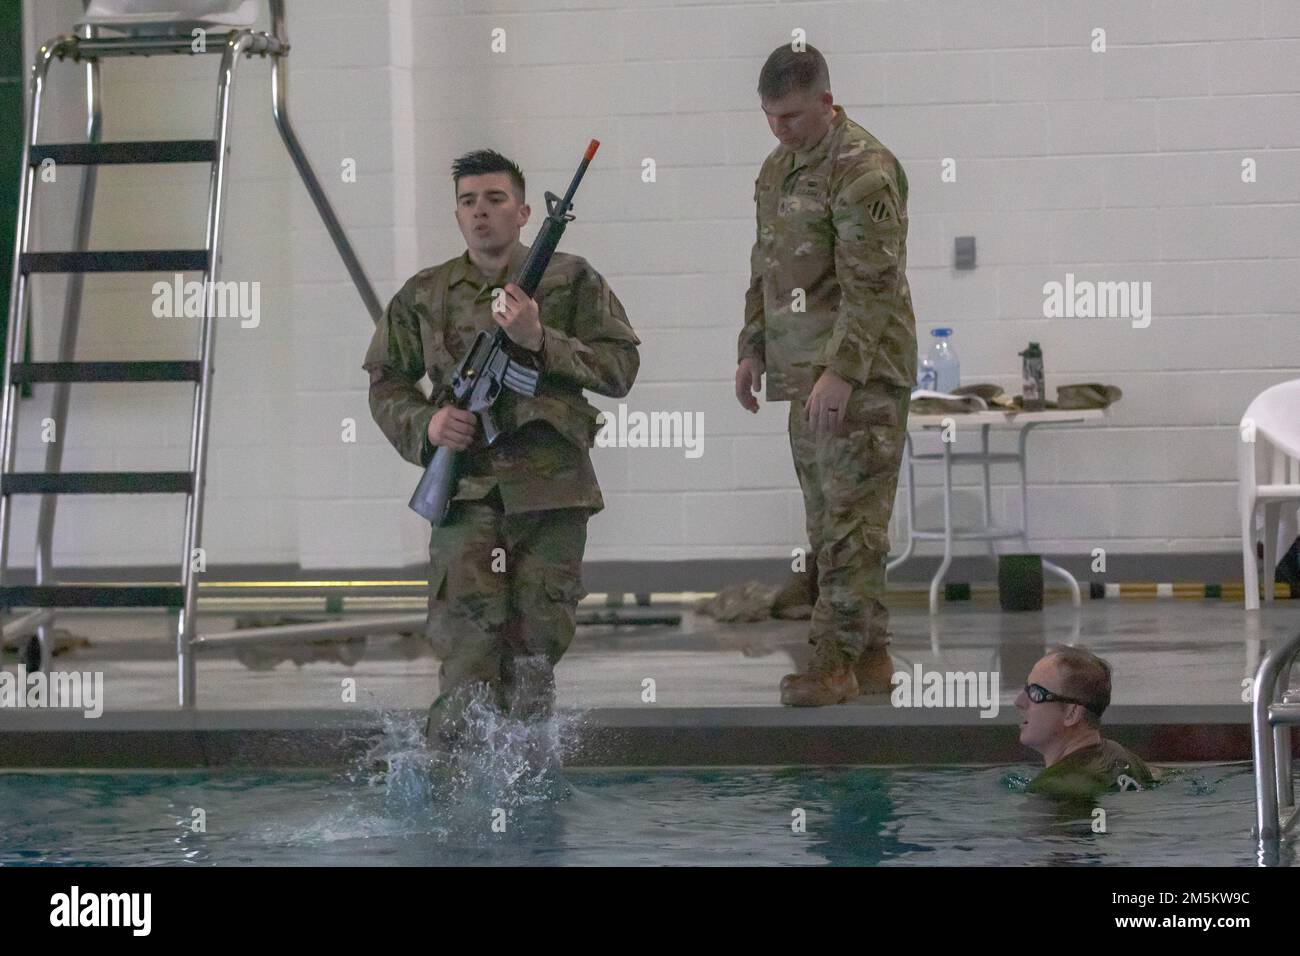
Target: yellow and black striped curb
x: 333, y: 596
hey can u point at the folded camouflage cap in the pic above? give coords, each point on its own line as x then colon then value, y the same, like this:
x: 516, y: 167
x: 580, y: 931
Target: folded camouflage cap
x: 991, y: 393
x: 990, y: 397
x: 1068, y: 397
x: 1087, y: 395
x: 966, y: 404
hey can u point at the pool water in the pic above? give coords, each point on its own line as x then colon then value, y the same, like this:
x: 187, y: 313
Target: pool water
x: 852, y: 816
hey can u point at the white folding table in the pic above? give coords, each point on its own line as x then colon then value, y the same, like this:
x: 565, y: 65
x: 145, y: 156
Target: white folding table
x: 959, y: 422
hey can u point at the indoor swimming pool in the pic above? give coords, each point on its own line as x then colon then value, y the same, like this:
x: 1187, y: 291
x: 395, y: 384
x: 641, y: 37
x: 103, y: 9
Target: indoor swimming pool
x: 894, y: 816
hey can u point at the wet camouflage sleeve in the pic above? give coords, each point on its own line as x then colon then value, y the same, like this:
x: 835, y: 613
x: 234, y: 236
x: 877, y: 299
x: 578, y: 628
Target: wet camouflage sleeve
x: 601, y: 354
x: 751, y: 336
x: 395, y: 361
x: 870, y: 239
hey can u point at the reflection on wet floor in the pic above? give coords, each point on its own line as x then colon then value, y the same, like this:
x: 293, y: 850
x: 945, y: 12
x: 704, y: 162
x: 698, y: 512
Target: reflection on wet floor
x: 1163, y: 652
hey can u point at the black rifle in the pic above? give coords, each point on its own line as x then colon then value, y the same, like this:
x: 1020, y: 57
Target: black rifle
x: 488, y: 366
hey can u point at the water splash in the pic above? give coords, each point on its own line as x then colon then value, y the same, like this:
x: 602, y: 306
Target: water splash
x: 504, y: 759
x: 498, y: 765
x: 397, y: 763
x: 1016, y: 781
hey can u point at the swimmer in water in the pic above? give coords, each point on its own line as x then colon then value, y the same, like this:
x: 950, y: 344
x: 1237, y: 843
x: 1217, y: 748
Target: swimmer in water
x: 1061, y: 707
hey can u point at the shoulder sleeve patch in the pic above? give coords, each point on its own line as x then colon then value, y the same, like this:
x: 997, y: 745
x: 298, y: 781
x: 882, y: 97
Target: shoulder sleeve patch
x: 861, y: 183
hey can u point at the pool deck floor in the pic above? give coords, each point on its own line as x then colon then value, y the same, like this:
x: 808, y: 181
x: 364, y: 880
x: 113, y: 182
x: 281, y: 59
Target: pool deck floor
x: 1180, y: 667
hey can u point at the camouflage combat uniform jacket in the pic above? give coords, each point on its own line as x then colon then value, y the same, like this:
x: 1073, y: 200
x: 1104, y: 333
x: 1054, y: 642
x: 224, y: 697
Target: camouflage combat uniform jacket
x: 542, y: 459
x: 832, y: 222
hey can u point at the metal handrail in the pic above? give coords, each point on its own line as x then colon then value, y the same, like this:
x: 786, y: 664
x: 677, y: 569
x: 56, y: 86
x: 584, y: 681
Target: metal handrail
x: 186, y: 675
x: 1271, y: 740
x: 280, y: 111
x: 67, y: 348
x: 19, y: 313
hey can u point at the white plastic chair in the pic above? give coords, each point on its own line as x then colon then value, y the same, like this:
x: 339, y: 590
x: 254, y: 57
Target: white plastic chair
x: 1270, y: 431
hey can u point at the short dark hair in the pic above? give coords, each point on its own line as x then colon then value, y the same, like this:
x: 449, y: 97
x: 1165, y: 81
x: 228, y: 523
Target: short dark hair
x: 1086, y: 677
x: 786, y: 71
x: 482, y: 161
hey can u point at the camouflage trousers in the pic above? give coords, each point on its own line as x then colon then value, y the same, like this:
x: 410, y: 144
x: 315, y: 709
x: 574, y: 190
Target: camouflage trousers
x: 503, y: 598
x: 848, y: 483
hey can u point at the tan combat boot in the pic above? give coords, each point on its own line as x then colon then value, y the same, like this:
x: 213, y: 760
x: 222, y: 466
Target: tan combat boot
x: 795, y: 601
x: 828, y: 680
x: 874, y: 671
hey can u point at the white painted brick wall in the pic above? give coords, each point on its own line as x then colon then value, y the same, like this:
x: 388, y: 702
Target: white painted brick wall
x: 1116, y: 166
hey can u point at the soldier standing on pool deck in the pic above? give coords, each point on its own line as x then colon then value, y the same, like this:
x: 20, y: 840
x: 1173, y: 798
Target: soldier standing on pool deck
x: 505, y: 573
x: 828, y: 317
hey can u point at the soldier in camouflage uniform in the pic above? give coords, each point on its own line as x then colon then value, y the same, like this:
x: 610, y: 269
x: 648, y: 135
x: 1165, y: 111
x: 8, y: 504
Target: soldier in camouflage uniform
x: 828, y: 317
x: 505, y: 568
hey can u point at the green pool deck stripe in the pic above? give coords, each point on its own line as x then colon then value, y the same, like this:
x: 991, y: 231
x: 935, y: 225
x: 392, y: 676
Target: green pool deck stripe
x: 649, y: 736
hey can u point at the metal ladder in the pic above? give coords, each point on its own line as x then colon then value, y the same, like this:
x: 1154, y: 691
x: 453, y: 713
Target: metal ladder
x: 1272, y: 716
x: 45, y: 595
